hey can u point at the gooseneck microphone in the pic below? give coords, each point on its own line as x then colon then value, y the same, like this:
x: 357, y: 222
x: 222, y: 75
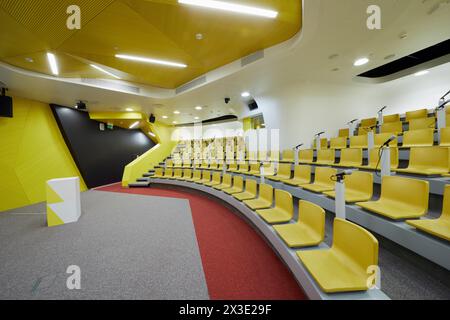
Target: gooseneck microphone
x: 392, y: 138
x: 353, y: 121
x: 382, y: 109
x: 341, y: 175
x: 296, y: 147
x: 320, y: 133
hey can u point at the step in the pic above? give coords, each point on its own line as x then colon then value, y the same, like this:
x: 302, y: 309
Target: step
x: 143, y: 179
x: 139, y: 185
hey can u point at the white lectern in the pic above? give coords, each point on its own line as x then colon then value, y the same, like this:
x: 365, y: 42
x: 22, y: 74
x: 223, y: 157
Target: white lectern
x: 63, y: 201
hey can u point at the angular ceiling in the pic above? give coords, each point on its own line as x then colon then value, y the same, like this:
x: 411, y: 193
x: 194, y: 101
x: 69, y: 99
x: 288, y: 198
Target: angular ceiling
x: 160, y: 29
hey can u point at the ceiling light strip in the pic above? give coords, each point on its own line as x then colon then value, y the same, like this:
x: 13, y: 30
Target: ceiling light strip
x: 104, y: 71
x: 53, y: 64
x: 151, y: 60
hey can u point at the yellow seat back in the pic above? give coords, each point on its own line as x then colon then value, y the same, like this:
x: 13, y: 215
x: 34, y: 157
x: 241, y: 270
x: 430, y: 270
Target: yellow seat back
x: 216, y: 177
x: 159, y: 172
x: 356, y: 244
x: 187, y: 173
x: 214, y: 165
x: 251, y: 187
x: 227, y: 180
x: 359, y: 142
x: 352, y: 156
x: 284, y: 169
x: 168, y: 172
x: 445, y: 137
x: 313, y: 216
x: 302, y: 172
x: 363, y: 131
x: 169, y: 163
x: 360, y: 181
x: 370, y: 122
x: 178, y: 173
x: 266, y: 192
x: 243, y: 167
x: 422, y: 123
x: 323, y: 175
x: 327, y: 155
x: 446, y: 203
x: 206, y: 175
x: 413, y: 192
x: 338, y: 143
x: 306, y: 155
x: 288, y: 155
x: 391, y: 118
x: 374, y: 157
x: 380, y: 139
x: 430, y: 157
x: 238, y: 182
x: 344, y: 132
x: 323, y: 143
x: 392, y: 127
x: 421, y: 138
x: 232, y: 166
x: 417, y: 114
x: 197, y: 174
x: 254, y: 167
x: 284, y: 202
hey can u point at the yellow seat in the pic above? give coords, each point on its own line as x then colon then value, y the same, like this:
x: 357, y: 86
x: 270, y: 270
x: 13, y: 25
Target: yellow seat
x: 169, y: 163
x: 227, y: 182
x: 381, y: 138
x: 374, y: 156
x: 159, y: 173
x: 370, y: 122
x: 220, y: 167
x: 343, y: 267
x: 305, y: 156
x: 428, y: 161
x: 215, y: 181
x: 243, y: 168
x: 437, y: 227
x: 302, y: 175
x: 445, y: 137
x: 177, y: 174
x: 401, y: 198
x: 269, y: 170
x: 287, y: 156
x: 363, y: 131
x: 392, y: 127
x: 204, y: 165
x: 325, y: 156
x: 197, y: 176
x: 323, y: 180
x: 187, y: 174
x: 213, y: 166
x: 233, y: 167
x: 351, y: 158
x: 358, y: 187
x: 206, y: 177
x: 283, y: 210
x: 264, y: 200
x: 359, y: 142
x: 284, y: 172
x: 250, y: 191
x: 168, y: 173
x: 187, y: 163
x: 323, y: 143
x: 344, y: 132
x: 177, y: 164
x: 391, y: 118
x: 308, y: 231
x: 254, y: 169
x: 417, y: 114
x: 338, y: 143
x: 238, y: 186
x: 423, y: 123
x: 418, y: 138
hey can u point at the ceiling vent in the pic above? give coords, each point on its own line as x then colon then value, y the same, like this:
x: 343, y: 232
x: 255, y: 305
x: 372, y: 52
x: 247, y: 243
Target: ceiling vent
x: 111, y: 86
x: 191, y: 85
x: 258, y: 55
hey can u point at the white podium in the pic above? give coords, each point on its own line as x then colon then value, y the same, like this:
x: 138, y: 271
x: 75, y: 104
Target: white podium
x: 63, y: 201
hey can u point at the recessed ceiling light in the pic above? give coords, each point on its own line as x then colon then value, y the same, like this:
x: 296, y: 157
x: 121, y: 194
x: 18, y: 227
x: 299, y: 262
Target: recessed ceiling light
x: 174, y: 122
x: 151, y: 60
x: 198, y: 108
x: 245, y: 94
x: 361, y: 62
x: 104, y: 71
x: 196, y: 118
x: 199, y: 36
x: 134, y: 125
x: 421, y: 73
x: 176, y: 112
x: 165, y: 117
x: 29, y: 59
x: 52, y: 61
x: 129, y: 109
x: 233, y: 7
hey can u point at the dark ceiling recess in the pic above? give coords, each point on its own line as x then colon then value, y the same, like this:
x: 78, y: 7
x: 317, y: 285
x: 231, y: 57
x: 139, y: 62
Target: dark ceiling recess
x: 412, y: 60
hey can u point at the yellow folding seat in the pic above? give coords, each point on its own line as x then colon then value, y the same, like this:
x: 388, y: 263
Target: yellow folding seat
x: 213, y: 166
x: 284, y: 172
x: 178, y: 163
x: 306, y: 156
x: 381, y: 138
x: 363, y: 131
x: 220, y: 167
x: 374, y: 155
x: 370, y: 122
x: 159, y: 173
x: 418, y: 138
x: 197, y: 176
x: 177, y: 174
x: 250, y: 191
x: 233, y: 167
x: 269, y: 170
x: 391, y: 118
x: 338, y: 143
x: 283, y: 210
x: 169, y: 163
x: 167, y: 173
x: 308, y: 231
x: 422, y: 123
x: 206, y: 177
x: 401, y: 198
x: 323, y: 180
x: 417, y: 114
x: 428, y: 161
x: 445, y: 137
x: 351, y: 158
x: 302, y: 175
x: 243, y: 168
x: 325, y: 157
x: 187, y: 174
x: 343, y: 267
x: 392, y: 127
x: 227, y: 182
x: 204, y: 165
x: 215, y: 181
x: 187, y: 163
x: 359, y: 142
x: 323, y: 143
x: 238, y: 186
x: 344, y: 132
x: 358, y: 187
x: 264, y: 200
x: 287, y: 156
x: 437, y: 227
x: 254, y: 169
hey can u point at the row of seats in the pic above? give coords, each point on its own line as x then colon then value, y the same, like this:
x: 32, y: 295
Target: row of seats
x: 401, y: 198
x: 341, y: 268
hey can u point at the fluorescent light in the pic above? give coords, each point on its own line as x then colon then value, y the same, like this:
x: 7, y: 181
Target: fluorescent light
x: 421, y: 73
x: 52, y: 61
x: 152, y: 134
x: 174, y: 122
x: 361, y: 62
x: 104, y: 71
x: 129, y: 109
x: 196, y: 118
x: 245, y: 94
x: 233, y: 7
x: 134, y: 125
x: 198, y: 108
x: 165, y: 117
x: 176, y: 112
x: 151, y: 60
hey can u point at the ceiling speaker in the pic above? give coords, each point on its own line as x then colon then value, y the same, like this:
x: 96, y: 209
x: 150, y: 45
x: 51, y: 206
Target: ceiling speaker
x: 152, y: 118
x: 253, y: 105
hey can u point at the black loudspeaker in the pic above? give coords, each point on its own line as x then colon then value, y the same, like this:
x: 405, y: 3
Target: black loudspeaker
x: 6, y: 106
x: 152, y: 118
x: 253, y: 105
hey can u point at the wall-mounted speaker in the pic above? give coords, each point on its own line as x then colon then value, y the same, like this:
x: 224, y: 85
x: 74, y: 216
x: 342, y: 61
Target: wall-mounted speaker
x: 6, y: 105
x: 252, y: 105
x: 152, y: 118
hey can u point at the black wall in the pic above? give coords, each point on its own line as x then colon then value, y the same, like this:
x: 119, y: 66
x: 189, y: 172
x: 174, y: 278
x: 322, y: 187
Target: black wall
x: 100, y: 155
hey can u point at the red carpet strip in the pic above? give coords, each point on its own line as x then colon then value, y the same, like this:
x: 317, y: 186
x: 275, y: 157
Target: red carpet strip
x: 238, y: 263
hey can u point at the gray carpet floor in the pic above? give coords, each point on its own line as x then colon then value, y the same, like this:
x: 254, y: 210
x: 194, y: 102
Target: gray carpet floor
x: 127, y: 247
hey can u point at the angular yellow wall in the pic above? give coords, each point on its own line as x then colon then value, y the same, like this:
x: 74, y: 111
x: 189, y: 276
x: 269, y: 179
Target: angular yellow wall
x: 32, y: 151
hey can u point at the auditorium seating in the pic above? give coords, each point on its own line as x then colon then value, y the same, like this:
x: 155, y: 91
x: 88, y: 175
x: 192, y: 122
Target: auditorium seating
x: 381, y: 138
x: 445, y: 137
x: 204, y: 165
x: 323, y: 143
x: 422, y: 123
x: 215, y: 181
x: 343, y: 267
x: 284, y: 172
x: 238, y: 186
x: 401, y: 198
x: 187, y: 163
x: 428, y: 161
x: 168, y: 173
x: 358, y: 187
x: 206, y: 177
x: 350, y: 158
x: 325, y: 157
x: 338, y: 143
x: 374, y: 159
x: 302, y: 175
x: 392, y: 127
x: 418, y: 138
x: 366, y: 123
x: 437, y: 227
x: 363, y: 131
x: 308, y: 231
x: 264, y: 200
x: 344, y: 132
x: 169, y: 163
x: 233, y: 167
x: 283, y: 210
x: 213, y: 166
x: 391, y: 118
x: 243, y: 168
x: 250, y: 191
x: 416, y: 114
x: 306, y: 156
x: 268, y: 169
x: 287, y: 156
x: 323, y: 180
x: 227, y: 182
x: 197, y: 176
x: 187, y: 174
x: 177, y: 174
x: 359, y: 142
x: 159, y: 173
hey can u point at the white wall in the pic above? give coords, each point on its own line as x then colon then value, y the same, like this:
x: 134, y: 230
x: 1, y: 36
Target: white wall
x: 301, y: 110
x: 219, y: 130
